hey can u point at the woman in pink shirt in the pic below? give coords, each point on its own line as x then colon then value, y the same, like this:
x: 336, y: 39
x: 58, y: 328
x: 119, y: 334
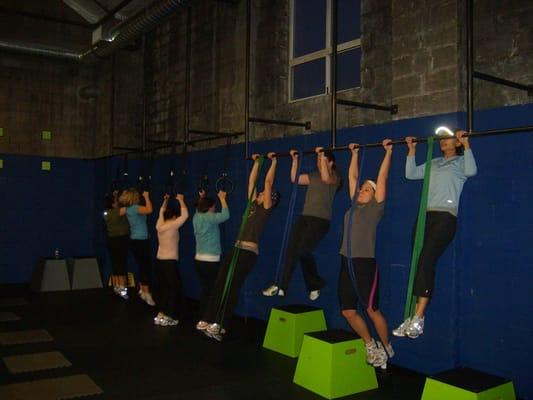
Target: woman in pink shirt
x: 171, y: 218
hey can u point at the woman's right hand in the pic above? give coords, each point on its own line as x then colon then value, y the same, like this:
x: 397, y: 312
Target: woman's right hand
x: 221, y: 195
x: 294, y: 154
x: 166, y: 197
x: 411, y: 144
x: 354, y: 148
x: 271, y: 155
x: 255, y: 157
x: 146, y: 194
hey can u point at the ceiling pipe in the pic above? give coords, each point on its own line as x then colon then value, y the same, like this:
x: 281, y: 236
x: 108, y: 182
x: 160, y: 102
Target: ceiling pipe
x: 142, y: 22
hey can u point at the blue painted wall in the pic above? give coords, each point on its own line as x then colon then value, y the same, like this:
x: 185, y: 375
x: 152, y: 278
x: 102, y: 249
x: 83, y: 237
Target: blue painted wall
x: 481, y: 314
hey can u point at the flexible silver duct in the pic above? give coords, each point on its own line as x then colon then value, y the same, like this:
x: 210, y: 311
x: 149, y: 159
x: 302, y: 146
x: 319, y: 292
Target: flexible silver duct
x: 144, y: 21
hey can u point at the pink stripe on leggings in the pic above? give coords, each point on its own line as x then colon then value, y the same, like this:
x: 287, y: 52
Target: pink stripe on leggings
x: 373, y: 291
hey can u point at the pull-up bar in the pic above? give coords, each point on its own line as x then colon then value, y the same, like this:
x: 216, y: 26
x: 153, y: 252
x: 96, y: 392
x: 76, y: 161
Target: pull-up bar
x: 393, y: 109
x: 504, y: 82
x: 306, y: 124
x: 492, y: 132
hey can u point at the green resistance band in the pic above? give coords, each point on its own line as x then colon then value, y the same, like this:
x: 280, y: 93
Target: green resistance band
x: 410, y: 301
x: 236, y: 251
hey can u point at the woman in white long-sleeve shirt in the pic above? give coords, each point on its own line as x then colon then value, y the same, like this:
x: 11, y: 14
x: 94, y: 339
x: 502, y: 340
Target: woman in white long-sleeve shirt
x: 447, y: 177
x: 170, y: 220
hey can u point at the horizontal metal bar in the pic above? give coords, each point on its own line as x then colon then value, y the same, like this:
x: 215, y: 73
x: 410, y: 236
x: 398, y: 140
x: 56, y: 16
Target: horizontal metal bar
x: 169, y: 142
x: 193, y: 142
x: 492, y: 132
x: 393, y: 109
x: 133, y: 149
x: 222, y: 134
x: 504, y: 82
x: 306, y: 125
x: 503, y: 131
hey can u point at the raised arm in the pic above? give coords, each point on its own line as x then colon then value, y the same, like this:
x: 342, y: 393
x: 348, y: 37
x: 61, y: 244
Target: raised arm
x: 353, y: 170
x: 184, y: 211
x: 252, y: 193
x: 381, y: 184
x: 269, y: 181
x: 304, y: 178
x: 412, y: 171
x: 470, y: 167
x: 161, y: 219
x: 325, y: 173
x: 222, y: 216
x: 147, y: 209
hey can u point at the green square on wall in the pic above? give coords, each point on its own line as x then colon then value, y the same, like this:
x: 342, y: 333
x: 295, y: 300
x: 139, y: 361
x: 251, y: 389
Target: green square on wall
x: 1, y: 163
x: 1, y: 131
x: 46, y: 165
x: 46, y: 135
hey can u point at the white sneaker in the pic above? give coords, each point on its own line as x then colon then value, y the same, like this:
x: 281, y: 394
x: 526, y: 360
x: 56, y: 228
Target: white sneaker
x: 271, y: 291
x: 202, y: 325
x: 122, y: 292
x: 281, y: 293
x: 314, y: 294
x: 400, y: 331
x: 416, y: 327
x: 164, y: 320
x: 214, y: 332
x: 371, y: 352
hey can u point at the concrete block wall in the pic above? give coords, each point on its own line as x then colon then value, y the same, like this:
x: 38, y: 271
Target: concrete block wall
x: 503, y: 38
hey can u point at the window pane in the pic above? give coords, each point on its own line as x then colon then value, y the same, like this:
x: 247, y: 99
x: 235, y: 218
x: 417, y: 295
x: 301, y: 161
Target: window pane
x: 309, y: 26
x: 349, y: 69
x: 309, y: 79
x: 348, y: 18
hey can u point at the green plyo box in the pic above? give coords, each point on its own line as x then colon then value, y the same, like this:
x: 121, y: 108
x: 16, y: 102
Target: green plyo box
x: 1, y: 131
x: 46, y: 135
x: 46, y: 165
x: 287, y: 326
x: 333, y: 364
x: 467, y: 384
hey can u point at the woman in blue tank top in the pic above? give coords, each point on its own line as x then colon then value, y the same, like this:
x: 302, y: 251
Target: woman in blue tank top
x: 139, y: 242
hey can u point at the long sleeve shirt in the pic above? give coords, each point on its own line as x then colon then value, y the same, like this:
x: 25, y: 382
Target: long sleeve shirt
x: 207, y: 234
x: 168, y: 234
x: 446, y: 179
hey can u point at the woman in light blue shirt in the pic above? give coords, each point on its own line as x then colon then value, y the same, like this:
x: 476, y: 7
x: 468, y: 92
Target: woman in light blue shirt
x: 448, y: 175
x: 207, y: 233
x: 139, y: 242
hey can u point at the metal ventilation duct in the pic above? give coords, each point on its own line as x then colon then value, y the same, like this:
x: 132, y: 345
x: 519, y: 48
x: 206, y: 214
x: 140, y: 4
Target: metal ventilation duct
x: 88, y: 9
x: 132, y: 8
x: 144, y: 21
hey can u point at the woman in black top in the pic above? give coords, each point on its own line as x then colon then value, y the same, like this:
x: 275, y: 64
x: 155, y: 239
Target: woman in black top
x: 311, y: 226
x: 248, y: 246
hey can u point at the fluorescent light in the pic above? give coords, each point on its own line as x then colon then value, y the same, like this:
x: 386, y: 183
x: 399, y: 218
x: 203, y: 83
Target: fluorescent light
x: 444, y: 131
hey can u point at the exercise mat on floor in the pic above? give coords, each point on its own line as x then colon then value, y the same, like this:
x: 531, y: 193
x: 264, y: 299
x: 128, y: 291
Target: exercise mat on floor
x: 23, y: 337
x: 35, y: 362
x: 68, y: 387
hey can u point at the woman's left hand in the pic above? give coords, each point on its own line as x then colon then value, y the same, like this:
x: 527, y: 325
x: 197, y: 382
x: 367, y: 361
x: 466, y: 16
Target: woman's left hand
x: 387, y: 145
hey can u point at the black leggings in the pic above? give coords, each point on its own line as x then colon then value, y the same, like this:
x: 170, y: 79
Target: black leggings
x: 118, y: 254
x: 169, y: 283
x: 366, y: 277
x: 207, y: 274
x: 440, y: 231
x: 141, y: 253
x: 306, y: 235
x: 245, y: 263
